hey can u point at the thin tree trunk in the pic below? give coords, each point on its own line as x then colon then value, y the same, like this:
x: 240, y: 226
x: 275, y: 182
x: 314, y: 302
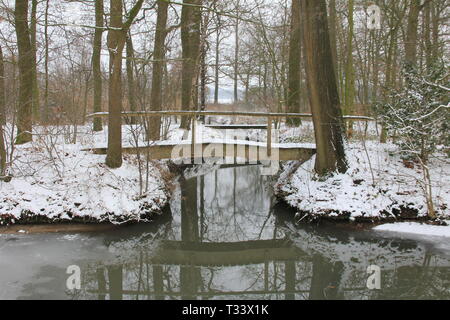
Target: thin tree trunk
x: 427, y: 31
x: 333, y: 38
x: 349, y: 93
x: 158, y: 70
x: 33, y: 22
x: 190, y: 41
x: 3, y: 155
x: 375, y: 67
x: 389, y: 70
x: 216, y: 67
x: 130, y: 77
x: 25, y: 104
x: 203, y: 67
x: 45, y: 111
x: 86, y: 96
x: 2, y: 116
x: 2, y: 90
x: 115, y: 46
x: 294, y: 63
x: 96, y: 63
x: 236, y: 54
x: 322, y: 88
x: 435, y: 18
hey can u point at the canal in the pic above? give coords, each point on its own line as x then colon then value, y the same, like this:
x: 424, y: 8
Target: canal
x: 224, y: 237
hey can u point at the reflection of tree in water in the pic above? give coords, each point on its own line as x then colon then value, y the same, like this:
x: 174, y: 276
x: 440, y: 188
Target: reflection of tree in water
x: 229, y: 208
x: 409, y: 269
x: 236, y: 205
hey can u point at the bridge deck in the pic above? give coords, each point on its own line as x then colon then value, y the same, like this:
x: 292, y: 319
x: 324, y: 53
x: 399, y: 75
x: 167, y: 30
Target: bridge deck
x: 245, y: 150
x: 237, y: 126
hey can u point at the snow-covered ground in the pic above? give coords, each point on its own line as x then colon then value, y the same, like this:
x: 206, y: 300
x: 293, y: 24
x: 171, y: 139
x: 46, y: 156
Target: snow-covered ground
x: 378, y: 184
x: 53, y: 178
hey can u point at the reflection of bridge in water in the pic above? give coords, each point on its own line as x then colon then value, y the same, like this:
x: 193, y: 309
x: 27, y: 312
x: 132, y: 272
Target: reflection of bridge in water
x: 198, y: 252
x: 226, y: 239
x: 221, y: 254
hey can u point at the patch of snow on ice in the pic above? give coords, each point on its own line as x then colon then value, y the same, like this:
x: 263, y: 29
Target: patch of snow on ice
x: 416, y: 228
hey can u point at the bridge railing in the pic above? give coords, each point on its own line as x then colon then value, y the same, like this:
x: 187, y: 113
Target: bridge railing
x: 270, y: 116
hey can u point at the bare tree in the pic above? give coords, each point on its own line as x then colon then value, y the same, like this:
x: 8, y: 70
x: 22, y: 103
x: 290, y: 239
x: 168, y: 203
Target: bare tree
x: 190, y: 42
x: 33, y: 24
x: 2, y: 116
x: 24, y: 112
x: 47, y: 52
x: 130, y: 76
x: 349, y: 91
x: 2, y: 90
x: 158, y: 69
x: 116, y: 42
x: 294, y: 62
x: 96, y: 62
x: 236, y: 52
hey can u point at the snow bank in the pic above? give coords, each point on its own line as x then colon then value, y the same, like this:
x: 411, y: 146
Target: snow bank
x: 378, y: 184
x: 54, y: 180
x: 416, y: 228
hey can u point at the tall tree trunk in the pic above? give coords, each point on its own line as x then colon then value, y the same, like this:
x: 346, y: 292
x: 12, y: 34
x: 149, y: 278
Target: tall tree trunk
x: 333, y: 38
x: 236, y: 54
x: 158, y: 70
x: 33, y: 23
x: 217, y: 61
x: 389, y: 82
x: 435, y: 18
x: 47, y: 51
x: 349, y: 93
x: 25, y: 104
x: 115, y: 46
x: 130, y: 77
x: 190, y: 42
x: 2, y: 116
x: 322, y: 88
x: 412, y: 31
x: 427, y: 34
x: 117, y: 36
x: 96, y: 63
x: 203, y: 66
x: 2, y: 90
x: 375, y: 65
x: 294, y: 63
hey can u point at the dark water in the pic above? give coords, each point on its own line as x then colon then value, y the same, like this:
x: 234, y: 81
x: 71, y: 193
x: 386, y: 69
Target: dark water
x: 224, y: 238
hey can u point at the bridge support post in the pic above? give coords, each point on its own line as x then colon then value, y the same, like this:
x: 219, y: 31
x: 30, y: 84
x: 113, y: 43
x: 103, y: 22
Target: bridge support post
x: 194, y: 138
x: 269, y: 136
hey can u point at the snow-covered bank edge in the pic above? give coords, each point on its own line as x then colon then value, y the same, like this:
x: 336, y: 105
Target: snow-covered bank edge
x: 55, y: 182
x: 378, y: 187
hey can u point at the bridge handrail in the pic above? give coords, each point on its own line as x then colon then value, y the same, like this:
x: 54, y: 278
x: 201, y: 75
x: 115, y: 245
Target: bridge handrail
x: 219, y: 113
x: 270, y: 117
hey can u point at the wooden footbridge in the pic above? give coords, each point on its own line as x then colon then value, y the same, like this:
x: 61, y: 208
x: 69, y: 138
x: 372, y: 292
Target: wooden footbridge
x: 248, y: 151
